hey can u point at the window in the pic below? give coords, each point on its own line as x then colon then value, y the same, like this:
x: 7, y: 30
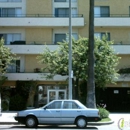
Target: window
x: 100, y: 35
x: 55, y: 105
x: 64, y: 12
x: 10, y: 0
x: 14, y: 67
x: 10, y: 12
x: 10, y: 37
x: 62, y: 37
x: 102, y: 11
x: 65, y: 0
x: 59, y: 0
x: 70, y: 105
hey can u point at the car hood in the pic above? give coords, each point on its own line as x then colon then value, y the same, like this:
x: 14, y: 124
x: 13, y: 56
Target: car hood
x: 29, y: 112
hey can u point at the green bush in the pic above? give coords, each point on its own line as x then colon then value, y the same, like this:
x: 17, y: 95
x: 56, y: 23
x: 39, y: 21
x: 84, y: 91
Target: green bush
x: 17, y: 103
x: 4, y: 105
x: 103, y: 112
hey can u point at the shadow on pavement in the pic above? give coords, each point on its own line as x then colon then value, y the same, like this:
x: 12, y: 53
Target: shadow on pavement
x: 54, y: 127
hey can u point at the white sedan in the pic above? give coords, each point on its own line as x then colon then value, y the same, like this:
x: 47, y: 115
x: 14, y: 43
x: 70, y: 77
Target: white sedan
x: 59, y: 112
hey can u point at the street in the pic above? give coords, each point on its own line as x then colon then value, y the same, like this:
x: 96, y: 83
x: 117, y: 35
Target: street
x: 22, y: 127
x: 116, y: 117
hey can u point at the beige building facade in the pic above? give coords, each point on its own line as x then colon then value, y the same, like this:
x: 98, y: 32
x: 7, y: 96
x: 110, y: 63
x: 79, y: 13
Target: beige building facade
x: 28, y: 26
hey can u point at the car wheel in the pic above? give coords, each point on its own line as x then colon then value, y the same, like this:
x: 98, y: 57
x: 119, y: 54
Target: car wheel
x: 81, y: 122
x: 31, y: 122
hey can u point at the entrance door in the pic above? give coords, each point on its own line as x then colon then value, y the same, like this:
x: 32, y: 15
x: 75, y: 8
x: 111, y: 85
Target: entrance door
x: 56, y: 94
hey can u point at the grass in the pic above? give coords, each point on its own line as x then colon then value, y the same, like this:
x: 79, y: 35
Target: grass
x: 105, y: 120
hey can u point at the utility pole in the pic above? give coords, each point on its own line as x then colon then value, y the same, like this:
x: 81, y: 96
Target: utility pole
x: 70, y: 52
x: 91, y: 101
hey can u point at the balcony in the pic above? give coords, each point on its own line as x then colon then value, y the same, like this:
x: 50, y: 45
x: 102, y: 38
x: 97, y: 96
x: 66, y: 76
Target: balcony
x: 121, y: 49
x: 31, y: 49
x: 33, y: 76
x: 38, y: 47
x: 112, y: 21
x: 39, y: 20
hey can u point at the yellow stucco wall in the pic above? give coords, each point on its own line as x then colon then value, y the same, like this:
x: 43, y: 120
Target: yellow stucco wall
x: 39, y: 7
x: 124, y: 61
x: 39, y: 35
x: 31, y: 63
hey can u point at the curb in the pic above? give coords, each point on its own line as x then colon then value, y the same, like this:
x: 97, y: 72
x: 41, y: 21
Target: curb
x: 89, y: 123
x: 100, y: 123
x: 5, y: 123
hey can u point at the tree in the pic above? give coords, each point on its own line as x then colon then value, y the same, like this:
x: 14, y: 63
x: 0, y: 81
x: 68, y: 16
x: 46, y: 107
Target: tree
x: 91, y: 101
x: 56, y: 62
x: 6, y: 58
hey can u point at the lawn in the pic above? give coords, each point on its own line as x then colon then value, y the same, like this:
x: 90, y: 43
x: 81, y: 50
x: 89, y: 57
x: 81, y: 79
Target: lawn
x: 105, y: 119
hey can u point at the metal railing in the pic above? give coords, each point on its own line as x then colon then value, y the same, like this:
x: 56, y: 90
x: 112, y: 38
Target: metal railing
x: 10, y: 0
x: 21, y: 42
x: 40, y: 15
x: 35, y: 70
x: 111, y: 15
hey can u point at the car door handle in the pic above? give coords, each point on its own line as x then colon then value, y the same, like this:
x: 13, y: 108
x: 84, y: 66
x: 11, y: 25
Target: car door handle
x: 78, y: 111
x: 58, y: 111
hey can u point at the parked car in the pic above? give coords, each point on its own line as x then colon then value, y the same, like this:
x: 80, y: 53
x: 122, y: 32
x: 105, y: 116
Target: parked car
x: 59, y: 112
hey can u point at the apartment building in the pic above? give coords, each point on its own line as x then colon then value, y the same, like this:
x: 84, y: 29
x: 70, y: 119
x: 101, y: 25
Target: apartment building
x: 29, y: 25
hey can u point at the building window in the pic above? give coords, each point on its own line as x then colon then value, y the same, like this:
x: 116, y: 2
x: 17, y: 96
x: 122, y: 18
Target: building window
x: 64, y: 12
x: 14, y: 67
x: 10, y: 0
x: 62, y: 37
x: 101, y: 11
x: 8, y: 38
x: 100, y: 35
x: 59, y: 0
x: 65, y: 0
x: 10, y: 12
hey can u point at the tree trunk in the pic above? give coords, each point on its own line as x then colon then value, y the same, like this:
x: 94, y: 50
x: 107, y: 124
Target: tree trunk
x: 91, y: 102
x: 77, y: 89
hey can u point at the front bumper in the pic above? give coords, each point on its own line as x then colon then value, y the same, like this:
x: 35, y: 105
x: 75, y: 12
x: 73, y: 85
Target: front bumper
x: 20, y: 119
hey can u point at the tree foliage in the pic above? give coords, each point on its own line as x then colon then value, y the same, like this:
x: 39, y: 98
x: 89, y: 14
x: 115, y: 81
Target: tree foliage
x: 56, y: 62
x: 6, y: 57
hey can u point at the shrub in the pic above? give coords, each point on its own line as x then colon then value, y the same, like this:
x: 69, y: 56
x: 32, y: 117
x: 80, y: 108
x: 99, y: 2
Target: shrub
x: 17, y: 103
x: 103, y: 112
x: 5, y: 105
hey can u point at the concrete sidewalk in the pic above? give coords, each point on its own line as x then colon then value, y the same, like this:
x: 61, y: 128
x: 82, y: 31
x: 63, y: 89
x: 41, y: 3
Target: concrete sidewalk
x: 8, y: 118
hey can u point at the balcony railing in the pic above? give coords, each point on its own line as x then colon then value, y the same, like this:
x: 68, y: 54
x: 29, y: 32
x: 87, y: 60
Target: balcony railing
x: 21, y: 42
x: 41, y: 15
x: 111, y: 15
x: 10, y: 0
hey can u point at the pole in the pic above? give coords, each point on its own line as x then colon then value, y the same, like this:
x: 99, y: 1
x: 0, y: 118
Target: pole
x: 70, y: 53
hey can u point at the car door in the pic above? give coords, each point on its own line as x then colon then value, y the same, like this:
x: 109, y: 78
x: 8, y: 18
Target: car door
x: 51, y: 114
x: 70, y: 111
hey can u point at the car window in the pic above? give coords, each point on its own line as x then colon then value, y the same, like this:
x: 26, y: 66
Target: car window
x: 55, y: 105
x: 70, y: 105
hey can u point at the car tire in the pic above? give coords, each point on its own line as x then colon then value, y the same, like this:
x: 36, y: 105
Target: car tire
x: 31, y: 122
x: 81, y: 122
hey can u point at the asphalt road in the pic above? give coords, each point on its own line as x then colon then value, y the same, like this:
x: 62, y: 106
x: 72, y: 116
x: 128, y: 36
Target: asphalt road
x: 22, y: 127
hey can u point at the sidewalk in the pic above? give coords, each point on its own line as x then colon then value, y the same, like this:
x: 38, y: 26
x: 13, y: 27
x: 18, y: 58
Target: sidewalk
x: 8, y: 118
